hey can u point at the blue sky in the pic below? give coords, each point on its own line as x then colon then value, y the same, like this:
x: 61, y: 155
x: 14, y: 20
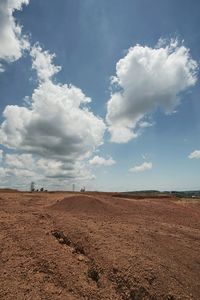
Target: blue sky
x: 140, y: 133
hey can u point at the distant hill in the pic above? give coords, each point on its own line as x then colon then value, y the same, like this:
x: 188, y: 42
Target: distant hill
x: 155, y: 193
x: 7, y: 190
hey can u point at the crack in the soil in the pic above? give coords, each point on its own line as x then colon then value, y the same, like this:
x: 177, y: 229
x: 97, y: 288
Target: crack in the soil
x: 64, y: 240
x: 124, y: 287
x: 93, y: 271
x: 127, y: 289
x: 61, y: 238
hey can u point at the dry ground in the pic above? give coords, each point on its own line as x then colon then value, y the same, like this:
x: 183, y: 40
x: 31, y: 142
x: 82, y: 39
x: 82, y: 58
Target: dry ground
x: 95, y: 246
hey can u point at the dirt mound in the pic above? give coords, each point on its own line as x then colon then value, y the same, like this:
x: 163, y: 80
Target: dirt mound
x: 82, y: 204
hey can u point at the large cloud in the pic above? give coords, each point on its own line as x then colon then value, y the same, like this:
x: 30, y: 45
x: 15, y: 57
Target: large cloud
x: 145, y: 79
x: 18, y: 170
x: 57, y: 126
x: 12, y: 42
x: 44, y: 167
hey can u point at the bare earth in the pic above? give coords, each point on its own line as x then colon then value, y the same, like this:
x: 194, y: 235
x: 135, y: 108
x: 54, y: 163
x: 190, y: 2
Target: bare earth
x: 95, y: 246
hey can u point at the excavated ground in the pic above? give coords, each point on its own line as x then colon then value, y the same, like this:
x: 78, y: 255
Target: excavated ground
x: 95, y: 246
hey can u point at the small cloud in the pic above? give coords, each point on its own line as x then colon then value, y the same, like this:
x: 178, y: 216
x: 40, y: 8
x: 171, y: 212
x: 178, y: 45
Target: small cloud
x: 194, y: 154
x: 145, y: 124
x: 144, y: 156
x: 101, y: 161
x: 141, y: 168
x: 43, y: 63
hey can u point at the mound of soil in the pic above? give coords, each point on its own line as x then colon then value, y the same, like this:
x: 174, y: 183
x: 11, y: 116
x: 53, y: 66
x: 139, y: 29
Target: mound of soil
x: 81, y: 204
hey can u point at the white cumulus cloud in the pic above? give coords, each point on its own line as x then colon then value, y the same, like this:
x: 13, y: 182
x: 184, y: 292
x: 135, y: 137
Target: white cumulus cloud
x: 57, y: 127
x: 143, y: 167
x: 23, y: 161
x: 147, y: 78
x: 101, y: 161
x: 20, y: 169
x: 194, y: 154
x: 12, y: 41
x: 43, y: 63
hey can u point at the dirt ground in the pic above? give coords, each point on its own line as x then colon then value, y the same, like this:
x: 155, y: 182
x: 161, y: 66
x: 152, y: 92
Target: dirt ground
x: 95, y: 246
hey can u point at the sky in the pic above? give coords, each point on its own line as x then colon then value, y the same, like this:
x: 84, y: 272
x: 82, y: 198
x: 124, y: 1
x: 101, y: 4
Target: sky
x: 101, y: 94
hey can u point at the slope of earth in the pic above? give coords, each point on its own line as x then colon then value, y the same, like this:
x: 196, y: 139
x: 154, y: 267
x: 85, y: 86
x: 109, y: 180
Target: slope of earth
x: 95, y: 246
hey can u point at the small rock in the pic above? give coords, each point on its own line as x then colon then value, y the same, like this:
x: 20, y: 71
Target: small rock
x: 81, y: 258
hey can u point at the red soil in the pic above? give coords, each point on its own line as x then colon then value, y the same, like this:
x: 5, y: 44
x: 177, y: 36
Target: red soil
x: 95, y: 246
x: 81, y: 204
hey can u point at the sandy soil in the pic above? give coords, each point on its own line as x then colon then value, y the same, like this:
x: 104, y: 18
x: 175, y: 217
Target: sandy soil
x: 95, y: 246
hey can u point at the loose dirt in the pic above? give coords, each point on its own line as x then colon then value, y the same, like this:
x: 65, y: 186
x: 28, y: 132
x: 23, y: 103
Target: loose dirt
x: 96, y: 246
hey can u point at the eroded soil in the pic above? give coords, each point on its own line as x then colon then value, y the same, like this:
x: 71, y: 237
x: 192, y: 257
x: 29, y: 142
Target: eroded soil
x: 95, y: 246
